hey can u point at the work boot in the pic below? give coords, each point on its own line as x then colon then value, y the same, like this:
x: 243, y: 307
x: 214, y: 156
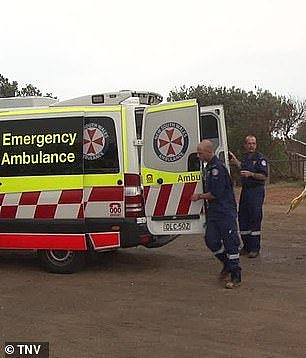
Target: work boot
x: 224, y: 273
x: 235, y: 279
x: 253, y: 254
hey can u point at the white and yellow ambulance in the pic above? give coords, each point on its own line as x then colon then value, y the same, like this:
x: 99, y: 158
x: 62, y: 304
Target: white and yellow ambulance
x: 101, y: 172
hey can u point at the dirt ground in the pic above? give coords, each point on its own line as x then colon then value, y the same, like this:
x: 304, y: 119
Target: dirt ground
x: 167, y: 302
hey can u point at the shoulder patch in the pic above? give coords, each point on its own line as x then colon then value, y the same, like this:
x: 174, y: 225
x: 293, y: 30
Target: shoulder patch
x: 215, y: 172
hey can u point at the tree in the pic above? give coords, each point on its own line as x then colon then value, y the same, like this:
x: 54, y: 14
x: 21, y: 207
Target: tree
x: 29, y: 90
x: 269, y: 117
x: 10, y: 89
x: 301, y: 132
x: 292, y: 115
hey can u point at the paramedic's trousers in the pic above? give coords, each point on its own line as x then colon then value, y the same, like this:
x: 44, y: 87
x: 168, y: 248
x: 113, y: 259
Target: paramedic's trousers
x: 222, y: 239
x: 250, y: 216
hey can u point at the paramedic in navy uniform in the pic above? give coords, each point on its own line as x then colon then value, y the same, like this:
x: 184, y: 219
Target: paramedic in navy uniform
x: 221, y: 232
x: 253, y: 173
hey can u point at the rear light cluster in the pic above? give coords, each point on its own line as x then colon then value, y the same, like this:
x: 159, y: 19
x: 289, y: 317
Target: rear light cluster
x: 134, y: 204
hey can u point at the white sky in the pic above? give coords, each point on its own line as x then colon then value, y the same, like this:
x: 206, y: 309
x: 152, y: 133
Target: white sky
x: 72, y: 48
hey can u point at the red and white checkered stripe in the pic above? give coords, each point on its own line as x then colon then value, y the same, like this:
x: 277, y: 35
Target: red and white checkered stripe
x: 60, y: 204
x: 172, y: 199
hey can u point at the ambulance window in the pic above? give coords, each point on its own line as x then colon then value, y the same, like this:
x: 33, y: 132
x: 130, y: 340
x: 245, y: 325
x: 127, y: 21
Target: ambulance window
x: 209, y: 128
x: 100, y: 146
x: 41, y: 146
x: 139, y: 121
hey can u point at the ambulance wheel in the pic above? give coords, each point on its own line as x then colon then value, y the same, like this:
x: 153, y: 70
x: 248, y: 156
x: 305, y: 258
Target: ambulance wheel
x: 62, y: 261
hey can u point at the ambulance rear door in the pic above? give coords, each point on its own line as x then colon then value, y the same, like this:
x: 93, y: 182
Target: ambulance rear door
x: 212, y: 127
x: 170, y: 168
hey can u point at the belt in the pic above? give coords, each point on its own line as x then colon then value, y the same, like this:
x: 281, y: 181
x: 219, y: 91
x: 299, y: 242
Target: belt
x: 252, y: 185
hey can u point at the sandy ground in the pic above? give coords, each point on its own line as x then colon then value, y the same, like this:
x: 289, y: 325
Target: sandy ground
x: 167, y: 302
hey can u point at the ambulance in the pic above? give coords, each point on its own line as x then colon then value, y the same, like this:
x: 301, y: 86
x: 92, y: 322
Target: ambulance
x: 101, y: 172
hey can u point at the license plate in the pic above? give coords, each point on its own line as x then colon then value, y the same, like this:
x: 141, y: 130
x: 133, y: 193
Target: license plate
x: 178, y: 226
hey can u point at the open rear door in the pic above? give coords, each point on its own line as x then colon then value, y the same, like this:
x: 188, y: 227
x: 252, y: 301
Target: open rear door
x: 212, y: 127
x: 170, y: 168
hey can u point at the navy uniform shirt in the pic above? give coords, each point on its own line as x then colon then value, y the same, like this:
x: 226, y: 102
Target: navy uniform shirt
x: 256, y: 163
x: 219, y: 184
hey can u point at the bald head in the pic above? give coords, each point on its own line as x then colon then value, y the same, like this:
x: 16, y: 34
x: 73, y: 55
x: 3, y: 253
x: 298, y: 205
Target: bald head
x: 205, y: 150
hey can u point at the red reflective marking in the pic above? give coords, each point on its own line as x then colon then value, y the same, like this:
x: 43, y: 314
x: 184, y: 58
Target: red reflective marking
x: 45, y: 211
x: 162, y: 200
x: 146, y: 192
x: 74, y: 196
x: 8, y: 212
x: 29, y: 198
x: 81, y: 212
x: 106, y: 193
x: 43, y: 241
x: 184, y: 204
x: 106, y: 239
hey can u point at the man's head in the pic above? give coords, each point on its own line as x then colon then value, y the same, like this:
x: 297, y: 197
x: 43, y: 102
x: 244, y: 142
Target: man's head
x: 250, y: 144
x: 205, y: 150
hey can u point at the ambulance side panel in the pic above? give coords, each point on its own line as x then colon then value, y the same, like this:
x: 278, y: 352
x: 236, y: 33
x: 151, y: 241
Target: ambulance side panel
x: 110, y: 158
x: 103, y: 177
x: 41, y: 176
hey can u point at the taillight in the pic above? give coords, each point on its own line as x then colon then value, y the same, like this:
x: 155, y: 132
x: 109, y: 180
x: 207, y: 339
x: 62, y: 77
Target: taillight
x: 134, y: 205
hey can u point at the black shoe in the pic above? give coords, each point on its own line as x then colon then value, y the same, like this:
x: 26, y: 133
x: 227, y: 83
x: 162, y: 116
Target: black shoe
x: 244, y: 252
x: 224, y: 273
x: 235, y: 279
x: 253, y: 254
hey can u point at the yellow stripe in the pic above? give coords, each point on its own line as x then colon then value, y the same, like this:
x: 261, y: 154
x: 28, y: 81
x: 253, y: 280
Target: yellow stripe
x: 168, y: 177
x: 171, y: 106
x: 124, y: 140
x: 61, y: 110
x: 57, y: 182
x: 38, y: 183
x: 102, y: 179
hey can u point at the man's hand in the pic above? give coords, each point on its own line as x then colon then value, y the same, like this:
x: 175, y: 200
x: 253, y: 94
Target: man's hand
x: 246, y: 173
x: 233, y: 159
x: 195, y: 197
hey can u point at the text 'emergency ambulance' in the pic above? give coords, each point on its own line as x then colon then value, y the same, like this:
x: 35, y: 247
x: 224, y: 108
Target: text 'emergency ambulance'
x: 40, y: 141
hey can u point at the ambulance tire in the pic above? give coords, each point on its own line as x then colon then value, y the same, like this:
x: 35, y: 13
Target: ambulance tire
x: 62, y: 261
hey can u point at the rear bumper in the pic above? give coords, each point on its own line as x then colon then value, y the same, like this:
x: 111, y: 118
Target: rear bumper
x: 133, y: 234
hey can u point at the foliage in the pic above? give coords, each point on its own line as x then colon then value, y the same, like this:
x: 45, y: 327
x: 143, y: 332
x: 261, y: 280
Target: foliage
x: 301, y: 132
x: 10, y: 89
x: 271, y: 118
